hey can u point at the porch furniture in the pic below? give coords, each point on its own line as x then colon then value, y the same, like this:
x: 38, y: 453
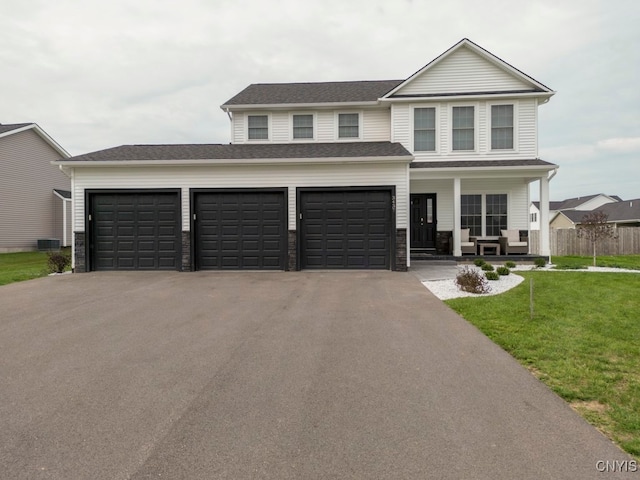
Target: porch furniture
x: 495, y: 246
x: 468, y: 244
x: 512, y: 242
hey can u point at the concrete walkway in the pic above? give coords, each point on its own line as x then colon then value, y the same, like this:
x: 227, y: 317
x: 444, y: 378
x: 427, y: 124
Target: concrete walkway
x: 345, y: 375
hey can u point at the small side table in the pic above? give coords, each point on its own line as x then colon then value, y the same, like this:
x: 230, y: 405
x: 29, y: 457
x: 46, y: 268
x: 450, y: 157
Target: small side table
x: 495, y: 246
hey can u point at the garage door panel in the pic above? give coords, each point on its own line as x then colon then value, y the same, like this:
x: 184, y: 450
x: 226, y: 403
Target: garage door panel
x: 252, y: 227
x: 135, y: 230
x: 346, y: 229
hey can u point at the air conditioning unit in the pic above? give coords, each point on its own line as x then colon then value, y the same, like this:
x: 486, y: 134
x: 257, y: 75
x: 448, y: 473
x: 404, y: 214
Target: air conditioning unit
x: 48, y: 244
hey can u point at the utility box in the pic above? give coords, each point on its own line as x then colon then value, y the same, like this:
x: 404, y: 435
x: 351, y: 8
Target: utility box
x: 48, y: 244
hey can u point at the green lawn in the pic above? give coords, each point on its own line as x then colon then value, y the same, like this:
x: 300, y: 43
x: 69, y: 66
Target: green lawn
x: 583, y: 341
x: 16, y: 267
x: 616, y: 261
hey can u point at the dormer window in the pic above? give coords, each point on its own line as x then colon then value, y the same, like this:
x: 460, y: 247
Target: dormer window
x: 348, y: 125
x: 258, y: 127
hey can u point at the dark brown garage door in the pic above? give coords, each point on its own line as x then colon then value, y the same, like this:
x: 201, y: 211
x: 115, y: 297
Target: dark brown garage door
x: 134, y: 231
x: 238, y: 230
x: 345, y: 229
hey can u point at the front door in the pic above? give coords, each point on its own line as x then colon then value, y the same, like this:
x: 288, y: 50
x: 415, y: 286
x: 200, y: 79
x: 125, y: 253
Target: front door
x: 423, y: 220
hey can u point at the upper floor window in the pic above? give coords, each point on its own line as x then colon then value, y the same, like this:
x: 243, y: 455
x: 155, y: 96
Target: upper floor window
x: 258, y: 127
x: 303, y: 126
x: 463, y: 134
x: 424, y: 129
x: 502, y: 127
x: 348, y: 125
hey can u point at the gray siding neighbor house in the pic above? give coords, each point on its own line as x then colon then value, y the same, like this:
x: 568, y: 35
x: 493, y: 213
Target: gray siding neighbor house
x: 36, y: 198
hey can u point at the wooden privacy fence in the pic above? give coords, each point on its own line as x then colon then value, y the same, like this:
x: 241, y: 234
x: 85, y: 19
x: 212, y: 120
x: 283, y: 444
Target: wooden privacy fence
x: 565, y: 241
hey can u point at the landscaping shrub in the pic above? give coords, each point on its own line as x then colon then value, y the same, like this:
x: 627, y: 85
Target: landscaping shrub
x: 503, y: 271
x: 58, y: 261
x: 471, y: 280
x: 487, y: 267
x: 510, y: 264
x: 478, y: 262
x: 539, y: 262
x: 492, y: 275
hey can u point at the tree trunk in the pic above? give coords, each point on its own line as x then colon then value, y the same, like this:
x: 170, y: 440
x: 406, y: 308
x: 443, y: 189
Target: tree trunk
x: 594, y: 254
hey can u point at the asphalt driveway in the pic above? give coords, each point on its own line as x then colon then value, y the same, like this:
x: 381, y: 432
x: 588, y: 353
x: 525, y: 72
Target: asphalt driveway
x: 269, y: 375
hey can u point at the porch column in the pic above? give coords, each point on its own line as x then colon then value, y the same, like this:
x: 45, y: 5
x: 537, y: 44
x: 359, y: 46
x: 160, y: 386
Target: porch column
x: 457, y: 212
x: 545, y: 249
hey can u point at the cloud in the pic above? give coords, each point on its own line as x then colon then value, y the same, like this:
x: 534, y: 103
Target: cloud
x: 619, y: 145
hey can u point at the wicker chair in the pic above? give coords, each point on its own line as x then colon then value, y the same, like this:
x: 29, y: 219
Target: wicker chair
x: 511, y: 242
x: 468, y: 244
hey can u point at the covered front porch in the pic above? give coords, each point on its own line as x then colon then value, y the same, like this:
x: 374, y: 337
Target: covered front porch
x: 466, y: 209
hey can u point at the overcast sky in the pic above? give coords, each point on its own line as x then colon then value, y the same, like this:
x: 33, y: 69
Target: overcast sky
x: 97, y: 74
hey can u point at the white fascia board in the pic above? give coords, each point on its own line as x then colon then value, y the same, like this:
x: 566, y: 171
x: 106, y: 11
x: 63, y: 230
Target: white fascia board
x: 296, y: 106
x: 463, y: 97
x: 480, y: 51
x: 531, y: 172
x: 226, y: 162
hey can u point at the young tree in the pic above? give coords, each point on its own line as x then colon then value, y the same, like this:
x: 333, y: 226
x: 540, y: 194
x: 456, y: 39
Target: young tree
x: 594, y: 227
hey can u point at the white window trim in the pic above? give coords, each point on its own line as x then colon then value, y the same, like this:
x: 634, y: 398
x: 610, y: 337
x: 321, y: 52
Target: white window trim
x: 337, y: 125
x: 269, y: 127
x: 483, y: 208
x: 315, y: 127
x: 476, y: 123
x: 412, y: 130
x: 515, y: 148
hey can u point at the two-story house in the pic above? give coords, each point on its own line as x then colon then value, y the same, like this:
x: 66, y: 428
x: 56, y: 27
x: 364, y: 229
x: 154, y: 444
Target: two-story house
x: 36, y: 197
x: 325, y: 175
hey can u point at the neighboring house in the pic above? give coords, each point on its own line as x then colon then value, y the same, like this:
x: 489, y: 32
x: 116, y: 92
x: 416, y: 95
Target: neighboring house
x: 581, y: 204
x: 623, y: 213
x: 325, y: 175
x: 36, y: 197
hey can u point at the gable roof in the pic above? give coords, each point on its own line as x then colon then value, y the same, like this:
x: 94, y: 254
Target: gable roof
x: 237, y: 152
x: 493, y: 59
x: 623, y: 211
x: 311, y: 93
x: 368, y: 91
x: 14, y: 128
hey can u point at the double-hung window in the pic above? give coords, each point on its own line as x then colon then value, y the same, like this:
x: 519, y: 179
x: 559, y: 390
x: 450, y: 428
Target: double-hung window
x: 348, y: 125
x: 258, y: 127
x: 501, y: 127
x: 303, y: 126
x: 424, y: 129
x: 484, y: 214
x: 463, y: 131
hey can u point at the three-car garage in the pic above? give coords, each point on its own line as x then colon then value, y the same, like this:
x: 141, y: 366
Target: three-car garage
x: 241, y: 229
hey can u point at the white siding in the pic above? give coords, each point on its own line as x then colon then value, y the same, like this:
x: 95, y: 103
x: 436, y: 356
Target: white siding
x: 463, y: 71
x: 525, y: 136
x: 444, y: 199
x: 375, y: 125
x: 238, y: 127
x: 516, y: 189
x: 250, y: 176
x: 280, y: 127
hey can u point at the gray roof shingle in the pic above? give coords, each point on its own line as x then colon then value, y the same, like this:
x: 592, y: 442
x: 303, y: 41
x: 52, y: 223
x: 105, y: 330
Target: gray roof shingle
x: 305, y: 93
x: 14, y: 126
x: 237, y: 152
x: 623, y: 211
